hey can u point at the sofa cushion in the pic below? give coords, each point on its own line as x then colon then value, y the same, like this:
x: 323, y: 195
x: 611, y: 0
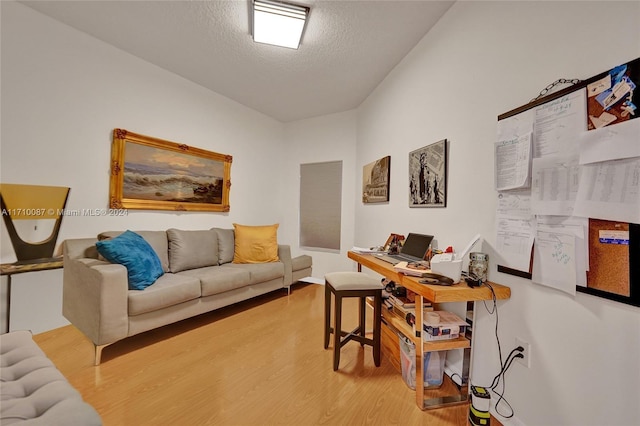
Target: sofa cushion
x: 192, y: 249
x: 218, y: 279
x: 263, y: 272
x: 156, y: 239
x: 33, y: 391
x: 170, y: 289
x: 226, y: 245
x: 135, y: 253
x: 255, y: 244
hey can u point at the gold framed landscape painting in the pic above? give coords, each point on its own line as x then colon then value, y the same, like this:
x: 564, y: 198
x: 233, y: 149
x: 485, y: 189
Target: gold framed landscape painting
x: 154, y: 174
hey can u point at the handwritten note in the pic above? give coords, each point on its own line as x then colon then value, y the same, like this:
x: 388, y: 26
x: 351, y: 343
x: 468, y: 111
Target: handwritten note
x: 554, y: 261
x: 570, y: 225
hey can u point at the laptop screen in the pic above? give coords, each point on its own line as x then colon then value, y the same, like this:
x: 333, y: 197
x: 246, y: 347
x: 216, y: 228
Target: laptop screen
x: 416, y: 245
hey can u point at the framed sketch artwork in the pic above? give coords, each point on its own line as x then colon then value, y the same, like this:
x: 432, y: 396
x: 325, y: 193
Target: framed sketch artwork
x: 375, y: 181
x: 154, y: 174
x: 428, y: 176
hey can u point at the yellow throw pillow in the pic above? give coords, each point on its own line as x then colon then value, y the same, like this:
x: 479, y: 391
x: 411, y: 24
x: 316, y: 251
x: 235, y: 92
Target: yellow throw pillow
x: 255, y: 244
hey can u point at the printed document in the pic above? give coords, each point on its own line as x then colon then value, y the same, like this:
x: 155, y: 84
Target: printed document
x: 513, y: 162
x: 514, y: 242
x: 515, y: 204
x: 610, y: 143
x: 610, y: 190
x: 516, y: 125
x: 579, y: 228
x: 558, y: 122
x: 515, y: 229
x: 554, y: 261
x: 554, y: 185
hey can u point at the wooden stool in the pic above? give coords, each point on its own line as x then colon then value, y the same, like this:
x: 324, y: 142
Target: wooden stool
x: 351, y: 284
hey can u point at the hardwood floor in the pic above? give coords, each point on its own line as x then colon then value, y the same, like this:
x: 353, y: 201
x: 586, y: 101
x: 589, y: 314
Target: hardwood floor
x: 256, y: 363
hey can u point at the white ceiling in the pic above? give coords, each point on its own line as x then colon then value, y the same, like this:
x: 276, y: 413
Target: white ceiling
x: 347, y: 49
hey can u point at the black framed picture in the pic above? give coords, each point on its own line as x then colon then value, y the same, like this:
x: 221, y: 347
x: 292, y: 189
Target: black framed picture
x: 428, y: 176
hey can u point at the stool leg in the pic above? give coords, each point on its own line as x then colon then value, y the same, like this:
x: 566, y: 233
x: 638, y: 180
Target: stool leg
x: 363, y: 325
x: 337, y: 331
x: 377, y: 325
x: 327, y: 314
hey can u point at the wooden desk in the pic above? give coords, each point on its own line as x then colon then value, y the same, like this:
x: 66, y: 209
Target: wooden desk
x: 426, y: 398
x: 10, y: 269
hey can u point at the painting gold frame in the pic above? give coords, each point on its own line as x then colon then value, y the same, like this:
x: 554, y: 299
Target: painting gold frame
x: 154, y: 174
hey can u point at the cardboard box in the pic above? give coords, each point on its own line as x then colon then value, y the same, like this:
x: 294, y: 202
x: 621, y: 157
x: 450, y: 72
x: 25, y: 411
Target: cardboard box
x: 449, y: 326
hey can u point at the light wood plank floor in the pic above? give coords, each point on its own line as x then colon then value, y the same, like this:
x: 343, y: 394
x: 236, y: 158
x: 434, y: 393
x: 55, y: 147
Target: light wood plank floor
x: 259, y: 362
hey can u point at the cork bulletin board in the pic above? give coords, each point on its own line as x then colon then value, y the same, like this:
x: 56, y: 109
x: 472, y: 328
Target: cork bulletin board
x: 609, y: 263
x: 614, y: 247
x: 614, y: 271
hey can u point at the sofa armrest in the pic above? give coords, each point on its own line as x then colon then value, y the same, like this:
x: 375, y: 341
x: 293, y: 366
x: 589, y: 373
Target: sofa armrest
x: 284, y: 253
x: 80, y: 248
x: 95, y: 298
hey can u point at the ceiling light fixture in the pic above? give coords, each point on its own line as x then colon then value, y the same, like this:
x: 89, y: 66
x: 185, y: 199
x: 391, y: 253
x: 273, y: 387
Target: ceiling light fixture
x: 277, y: 23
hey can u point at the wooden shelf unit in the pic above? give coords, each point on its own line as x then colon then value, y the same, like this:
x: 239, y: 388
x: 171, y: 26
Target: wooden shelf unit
x: 401, y: 326
x: 450, y: 394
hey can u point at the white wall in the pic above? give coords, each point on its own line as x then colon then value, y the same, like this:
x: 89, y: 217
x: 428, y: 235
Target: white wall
x: 483, y: 59
x: 63, y: 92
x: 316, y: 140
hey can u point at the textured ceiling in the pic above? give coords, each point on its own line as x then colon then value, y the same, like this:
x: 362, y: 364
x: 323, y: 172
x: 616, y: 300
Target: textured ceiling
x: 347, y: 49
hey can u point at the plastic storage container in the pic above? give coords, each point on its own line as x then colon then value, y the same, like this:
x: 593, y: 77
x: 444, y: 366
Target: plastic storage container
x: 433, y: 365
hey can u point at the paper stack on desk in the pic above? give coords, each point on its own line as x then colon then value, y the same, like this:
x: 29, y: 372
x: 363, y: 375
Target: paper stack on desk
x: 414, y: 269
x: 364, y: 250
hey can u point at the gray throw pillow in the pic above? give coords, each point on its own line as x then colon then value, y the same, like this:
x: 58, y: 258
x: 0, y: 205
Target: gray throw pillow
x: 192, y: 249
x: 226, y: 244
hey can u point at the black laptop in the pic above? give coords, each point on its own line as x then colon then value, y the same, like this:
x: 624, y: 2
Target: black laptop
x: 414, y: 249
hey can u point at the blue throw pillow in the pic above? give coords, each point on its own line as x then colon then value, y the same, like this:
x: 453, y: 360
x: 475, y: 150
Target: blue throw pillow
x: 134, y: 252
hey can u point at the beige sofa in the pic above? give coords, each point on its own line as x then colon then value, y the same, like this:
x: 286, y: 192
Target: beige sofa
x: 199, y: 276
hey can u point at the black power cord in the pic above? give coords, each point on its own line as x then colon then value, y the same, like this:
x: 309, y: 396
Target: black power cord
x: 496, y: 381
x: 504, y: 366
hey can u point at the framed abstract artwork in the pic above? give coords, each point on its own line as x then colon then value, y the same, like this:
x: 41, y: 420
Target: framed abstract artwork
x: 154, y: 174
x: 428, y: 176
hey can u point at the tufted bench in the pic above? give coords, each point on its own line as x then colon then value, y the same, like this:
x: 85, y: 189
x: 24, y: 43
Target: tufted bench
x: 33, y: 391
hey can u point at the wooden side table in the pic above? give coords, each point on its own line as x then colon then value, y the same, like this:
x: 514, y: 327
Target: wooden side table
x: 10, y: 269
